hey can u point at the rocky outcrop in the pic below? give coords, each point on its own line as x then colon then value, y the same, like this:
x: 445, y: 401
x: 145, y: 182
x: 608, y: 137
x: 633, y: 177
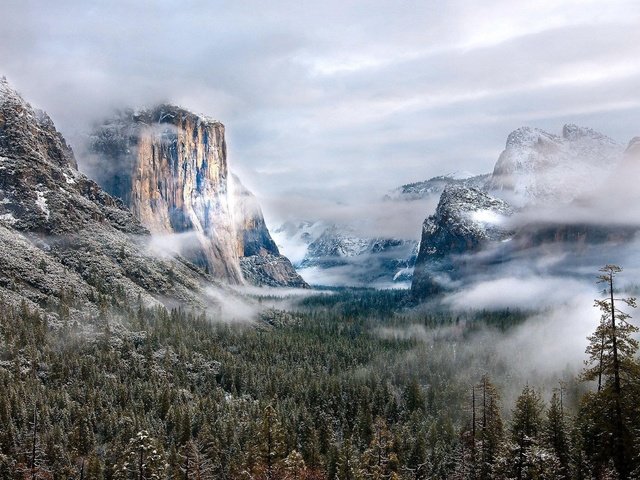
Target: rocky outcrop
x: 260, y: 260
x: 271, y: 270
x: 170, y: 167
x: 466, y: 221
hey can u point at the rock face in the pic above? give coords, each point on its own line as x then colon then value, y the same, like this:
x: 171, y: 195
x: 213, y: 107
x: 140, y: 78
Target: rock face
x: 466, y: 221
x: 260, y: 260
x: 63, y: 240
x: 170, y: 167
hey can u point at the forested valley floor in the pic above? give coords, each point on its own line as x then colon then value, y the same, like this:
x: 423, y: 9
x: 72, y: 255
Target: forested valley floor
x: 345, y: 385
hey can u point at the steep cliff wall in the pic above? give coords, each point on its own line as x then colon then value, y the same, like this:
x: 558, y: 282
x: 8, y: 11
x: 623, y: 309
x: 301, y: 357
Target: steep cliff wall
x: 466, y: 221
x: 170, y: 167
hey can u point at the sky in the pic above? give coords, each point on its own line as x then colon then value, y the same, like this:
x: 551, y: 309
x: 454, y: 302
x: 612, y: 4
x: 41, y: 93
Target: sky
x: 330, y: 104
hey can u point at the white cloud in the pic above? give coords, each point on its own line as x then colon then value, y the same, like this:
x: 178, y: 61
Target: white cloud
x: 527, y: 293
x: 349, y: 99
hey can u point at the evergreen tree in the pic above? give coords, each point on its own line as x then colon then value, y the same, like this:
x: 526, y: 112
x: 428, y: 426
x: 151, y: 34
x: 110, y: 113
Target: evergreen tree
x: 380, y: 459
x: 526, y: 426
x: 271, y: 442
x: 555, y: 434
x: 142, y: 460
x: 294, y: 466
x: 348, y: 464
x: 612, y: 362
x: 194, y: 464
x: 488, y: 427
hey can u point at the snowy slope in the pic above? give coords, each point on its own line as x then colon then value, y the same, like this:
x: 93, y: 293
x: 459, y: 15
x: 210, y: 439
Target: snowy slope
x: 537, y: 167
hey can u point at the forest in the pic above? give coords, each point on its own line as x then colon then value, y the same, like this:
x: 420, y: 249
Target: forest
x: 325, y: 389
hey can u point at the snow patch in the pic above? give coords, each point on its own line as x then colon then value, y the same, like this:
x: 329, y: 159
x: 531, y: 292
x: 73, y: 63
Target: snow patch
x: 486, y: 216
x: 68, y: 178
x: 8, y: 218
x: 41, y: 202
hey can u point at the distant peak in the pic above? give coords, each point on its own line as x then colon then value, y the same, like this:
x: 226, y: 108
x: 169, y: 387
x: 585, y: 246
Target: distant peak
x: 634, y: 146
x: 574, y: 132
x: 527, y: 137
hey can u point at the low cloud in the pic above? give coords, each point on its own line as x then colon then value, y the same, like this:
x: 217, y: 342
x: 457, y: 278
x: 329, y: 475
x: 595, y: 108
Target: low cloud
x: 228, y: 306
x: 173, y: 244
x: 529, y: 293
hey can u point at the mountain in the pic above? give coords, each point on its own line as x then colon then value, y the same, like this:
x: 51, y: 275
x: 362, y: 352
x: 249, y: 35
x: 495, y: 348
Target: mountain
x: 435, y: 186
x: 561, y: 193
x: 169, y: 166
x: 338, y: 255
x: 537, y: 167
x: 466, y: 221
x: 66, y: 244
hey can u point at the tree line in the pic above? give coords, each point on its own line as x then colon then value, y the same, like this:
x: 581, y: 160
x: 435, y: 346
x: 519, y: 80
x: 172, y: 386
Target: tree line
x: 320, y: 396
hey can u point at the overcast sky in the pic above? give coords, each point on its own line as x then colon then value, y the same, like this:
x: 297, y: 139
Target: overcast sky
x: 336, y: 101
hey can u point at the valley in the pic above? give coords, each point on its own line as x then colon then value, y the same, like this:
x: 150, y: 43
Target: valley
x: 370, y: 271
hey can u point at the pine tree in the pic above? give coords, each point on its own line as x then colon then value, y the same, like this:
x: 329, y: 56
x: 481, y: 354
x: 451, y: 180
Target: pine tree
x: 195, y: 465
x: 526, y: 427
x: 555, y: 434
x: 488, y: 428
x: 142, y: 460
x: 347, y: 464
x: 294, y: 466
x: 380, y: 459
x: 271, y: 441
x: 612, y: 362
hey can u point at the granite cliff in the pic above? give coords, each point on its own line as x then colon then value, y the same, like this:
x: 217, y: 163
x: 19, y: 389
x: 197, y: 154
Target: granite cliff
x: 466, y: 221
x: 170, y: 167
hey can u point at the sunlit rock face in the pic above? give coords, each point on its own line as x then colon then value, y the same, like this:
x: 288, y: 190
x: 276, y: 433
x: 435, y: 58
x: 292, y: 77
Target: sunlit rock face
x: 170, y: 167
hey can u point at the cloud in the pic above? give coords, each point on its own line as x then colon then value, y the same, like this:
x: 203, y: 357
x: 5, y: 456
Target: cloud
x: 525, y: 293
x: 346, y: 99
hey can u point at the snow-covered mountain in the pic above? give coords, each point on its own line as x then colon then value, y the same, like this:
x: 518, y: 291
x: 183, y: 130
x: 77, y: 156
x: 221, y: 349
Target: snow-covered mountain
x: 435, y: 186
x: 545, y: 190
x: 64, y: 241
x: 537, y: 167
x: 331, y: 254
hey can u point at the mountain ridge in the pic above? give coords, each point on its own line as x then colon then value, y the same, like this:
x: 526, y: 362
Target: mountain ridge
x: 542, y: 182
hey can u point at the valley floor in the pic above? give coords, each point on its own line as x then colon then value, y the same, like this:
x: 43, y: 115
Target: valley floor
x: 349, y: 385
